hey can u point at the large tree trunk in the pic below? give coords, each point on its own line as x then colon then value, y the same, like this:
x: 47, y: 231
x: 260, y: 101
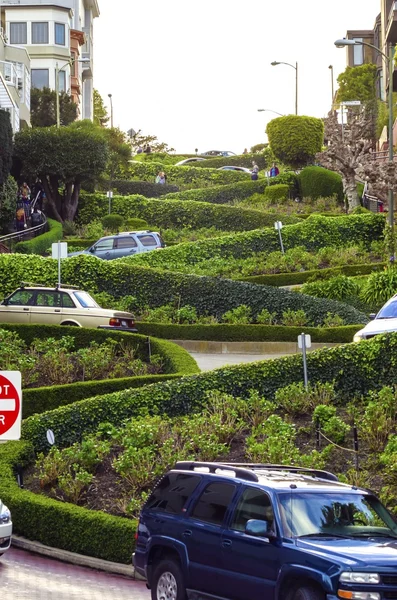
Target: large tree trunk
x: 71, y: 201
x: 63, y: 207
x: 350, y: 187
x: 51, y: 199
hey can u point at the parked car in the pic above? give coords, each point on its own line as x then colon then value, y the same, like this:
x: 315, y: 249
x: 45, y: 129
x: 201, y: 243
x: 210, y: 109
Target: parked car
x: 5, y: 528
x: 231, y: 168
x: 188, y: 160
x: 251, y: 531
x: 61, y: 305
x: 218, y: 153
x: 124, y: 244
x: 384, y: 321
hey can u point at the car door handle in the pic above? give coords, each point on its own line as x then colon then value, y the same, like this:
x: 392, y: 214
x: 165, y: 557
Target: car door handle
x: 187, y: 533
x: 27, y: 309
x: 57, y: 310
x: 226, y: 543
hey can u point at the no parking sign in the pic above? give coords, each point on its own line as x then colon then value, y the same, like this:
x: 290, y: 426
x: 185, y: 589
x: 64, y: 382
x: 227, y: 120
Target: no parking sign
x: 10, y: 405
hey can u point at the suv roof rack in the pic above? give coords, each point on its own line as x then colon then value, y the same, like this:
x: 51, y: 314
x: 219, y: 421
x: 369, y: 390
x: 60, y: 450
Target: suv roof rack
x: 242, y: 473
x: 57, y: 286
x: 289, y: 468
x: 60, y: 286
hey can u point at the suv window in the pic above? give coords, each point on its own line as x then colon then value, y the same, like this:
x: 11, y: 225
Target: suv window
x: 126, y: 242
x: 173, y: 492
x: 147, y: 240
x: 104, y: 245
x: 253, y: 504
x: 212, y: 504
x: 67, y: 302
x: 22, y: 297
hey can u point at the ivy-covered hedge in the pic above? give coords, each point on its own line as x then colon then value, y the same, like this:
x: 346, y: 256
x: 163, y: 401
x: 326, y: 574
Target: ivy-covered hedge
x: 248, y: 333
x: 155, y: 288
x: 144, y: 188
x: 317, y: 182
x: 222, y: 194
x: 283, y: 279
x: 41, y: 243
x: 177, y: 213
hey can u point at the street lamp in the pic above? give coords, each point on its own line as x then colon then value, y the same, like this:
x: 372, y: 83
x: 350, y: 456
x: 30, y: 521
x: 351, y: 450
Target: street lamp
x: 270, y: 110
x: 70, y: 62
x: 332, y: 83
x: 275, y: 63
x: 390, y: 58
x: 111, y: 110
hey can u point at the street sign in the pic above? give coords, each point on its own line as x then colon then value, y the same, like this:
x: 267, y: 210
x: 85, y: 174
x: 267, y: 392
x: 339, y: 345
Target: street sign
x: 308, y: 340
x: 351, y: 103
x: 50, y: 437
x: 59, y: 250
x: 278, y: 225
x: 109, y: 194
x: 10, y: 405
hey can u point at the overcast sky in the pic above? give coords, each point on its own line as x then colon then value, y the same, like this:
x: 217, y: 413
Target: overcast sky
x: 195, y: 73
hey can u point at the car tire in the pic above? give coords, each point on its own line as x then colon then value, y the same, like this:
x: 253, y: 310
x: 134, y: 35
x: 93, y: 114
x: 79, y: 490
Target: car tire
x: 306, y: 593
x: 167, y: 582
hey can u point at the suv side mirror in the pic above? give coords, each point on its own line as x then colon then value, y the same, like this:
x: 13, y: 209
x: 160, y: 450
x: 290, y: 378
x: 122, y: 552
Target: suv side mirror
x: 372, y: 316
x: 259, y: 528
x: 92, y: 249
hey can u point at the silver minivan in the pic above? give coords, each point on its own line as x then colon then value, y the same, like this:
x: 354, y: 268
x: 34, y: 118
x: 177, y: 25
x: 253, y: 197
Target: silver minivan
x: 124, y: 244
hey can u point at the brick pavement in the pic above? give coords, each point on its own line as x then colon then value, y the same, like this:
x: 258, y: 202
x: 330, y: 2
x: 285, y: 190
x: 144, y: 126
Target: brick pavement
x: 29, y: 576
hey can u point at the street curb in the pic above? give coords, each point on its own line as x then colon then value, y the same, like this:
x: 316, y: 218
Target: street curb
x: 75, y: 559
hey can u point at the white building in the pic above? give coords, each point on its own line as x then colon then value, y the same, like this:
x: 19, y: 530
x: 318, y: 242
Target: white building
x: 58, y: 35
x: 15, y: 83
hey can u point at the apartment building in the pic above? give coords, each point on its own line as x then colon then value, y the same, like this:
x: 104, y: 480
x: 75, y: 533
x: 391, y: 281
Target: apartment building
x: 15, y: 83
x: 58, y: 35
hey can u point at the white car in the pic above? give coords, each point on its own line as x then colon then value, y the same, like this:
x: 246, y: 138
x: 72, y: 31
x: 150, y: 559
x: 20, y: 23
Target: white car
x: 193, y: 159
x: 5, y: 528
x: 385, y: 321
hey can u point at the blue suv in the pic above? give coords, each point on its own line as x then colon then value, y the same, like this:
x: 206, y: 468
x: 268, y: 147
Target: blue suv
x: 264, y: 532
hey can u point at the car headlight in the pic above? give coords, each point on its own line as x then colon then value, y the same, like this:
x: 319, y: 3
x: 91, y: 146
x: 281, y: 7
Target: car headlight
x: 5, y: 515
x: 358, y: 337
x: 354, y: 577
x: 347, y: 595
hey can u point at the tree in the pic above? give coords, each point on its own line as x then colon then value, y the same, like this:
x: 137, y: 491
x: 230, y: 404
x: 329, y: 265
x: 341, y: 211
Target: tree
x: 101, y: 116
x: 43, y: 112
x: 5, y: 145
x: 8, y: 194
x: 357, y: 83
x: 295, y: 140
x: 119, y: 153
x: 63, y: 159
x: 139, y: 140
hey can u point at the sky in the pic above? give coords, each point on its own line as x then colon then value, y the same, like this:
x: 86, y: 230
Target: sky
x: 195, y: 73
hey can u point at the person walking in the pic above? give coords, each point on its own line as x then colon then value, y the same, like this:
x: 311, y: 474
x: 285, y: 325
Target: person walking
x: 254, y: 171
x: 161, y: 178
x: 274, y: 171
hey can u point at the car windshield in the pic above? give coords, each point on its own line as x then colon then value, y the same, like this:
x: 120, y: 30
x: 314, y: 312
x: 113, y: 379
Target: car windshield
x: 85, y: 300
x: 389, y: 311
x: 335, y: 514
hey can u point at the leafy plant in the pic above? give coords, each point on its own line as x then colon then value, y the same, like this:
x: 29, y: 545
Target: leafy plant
x: 294, y: 318
x: 241, y: 315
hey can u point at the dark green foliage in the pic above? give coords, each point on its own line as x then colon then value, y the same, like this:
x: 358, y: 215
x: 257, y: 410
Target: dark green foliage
x: 317, y: 182
x: 5, y: 145
x: 113, y: 221
x: 41, y: 243
x: 136, y: 224
x: 178, y: 213
x: 222, y: 194
x: 276, y: 193
x: 262, y: 159
x: 43, y: 108
x: 144, y: 188
x: 8, y: 194
x: 295, y: 140
x: 287, y: 178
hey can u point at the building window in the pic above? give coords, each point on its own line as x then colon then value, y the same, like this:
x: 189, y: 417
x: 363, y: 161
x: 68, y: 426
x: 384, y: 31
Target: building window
x: 60, y: 34
x: 40, y: 78
x: 18, y: 33
x: 358, y: 53
x: 62, y: 81
x: 39, y: 33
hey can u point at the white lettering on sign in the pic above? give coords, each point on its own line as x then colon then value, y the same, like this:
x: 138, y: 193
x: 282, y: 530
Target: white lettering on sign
x: 5, y: 388
x: 6, y: 404
x: 2, y: 419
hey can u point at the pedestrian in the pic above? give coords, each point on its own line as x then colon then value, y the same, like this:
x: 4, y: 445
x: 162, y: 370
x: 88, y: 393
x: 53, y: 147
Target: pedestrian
x: 254, y: 171
x: 274, y: 170
x: 161, y: 178
x: 245, y: 151
x: 24, y: 192
x: 20, y: 217
x: 140, y: 150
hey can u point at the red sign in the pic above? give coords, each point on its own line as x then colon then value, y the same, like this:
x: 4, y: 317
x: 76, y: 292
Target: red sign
x: 10, y: 405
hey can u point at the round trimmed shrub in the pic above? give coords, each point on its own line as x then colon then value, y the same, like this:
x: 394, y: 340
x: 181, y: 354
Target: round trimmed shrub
x: 136, y: 224
x: 113, y: 222
x: 295, y: 140
x: 317, y: 182
x: 277, y: 193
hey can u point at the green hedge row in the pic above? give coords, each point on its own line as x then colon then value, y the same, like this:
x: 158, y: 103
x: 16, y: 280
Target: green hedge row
x: 153, y: 287
x: 177, y: 213
x: 262, y: 159
x: 222, y: 194
x: 285, y: 279
x: 355, y: 369
x: 248, y: 333
x: 41, y: 243
x: 144, y: 188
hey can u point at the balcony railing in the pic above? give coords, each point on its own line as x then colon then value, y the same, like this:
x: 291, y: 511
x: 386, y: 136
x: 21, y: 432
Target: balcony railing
x: 10, y: 74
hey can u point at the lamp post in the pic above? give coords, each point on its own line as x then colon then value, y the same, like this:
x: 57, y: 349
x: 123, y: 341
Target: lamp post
x: 275, y: 63
x: 70, y: 62
x: 110, y: 192
x: 332, y: 83
x: 270, y: 110
x: 111, y: 110
x: 390, y: 58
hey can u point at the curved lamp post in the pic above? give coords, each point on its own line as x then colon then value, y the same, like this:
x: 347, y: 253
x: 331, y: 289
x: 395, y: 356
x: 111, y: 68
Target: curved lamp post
x: 275, y: 63
x: 332, y: 84
x: 390, y: 59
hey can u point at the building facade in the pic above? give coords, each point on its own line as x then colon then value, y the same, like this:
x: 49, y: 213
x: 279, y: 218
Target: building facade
x: 58, y: 35
x: 15, y: 83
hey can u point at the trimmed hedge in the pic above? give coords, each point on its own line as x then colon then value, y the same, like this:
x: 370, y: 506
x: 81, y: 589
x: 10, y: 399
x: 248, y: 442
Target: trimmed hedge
x: 222, y: 194
x: 277, y: 192
x: 41, y: 243
x: 285, y: 279
x: 144, y: 188
x: 317, y: 182
x: 177, y: 213
x: 354, y: 368
x: 154, y: 288
x: 248, y: 333
x: 243, y: 160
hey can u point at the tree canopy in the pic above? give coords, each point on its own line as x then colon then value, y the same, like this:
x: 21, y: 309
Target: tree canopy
x: 295, y: 140
x: 5, y: 145
x: 63, y: 159
x: 357, y: 83
x: 43, y: 112
x: 101, y: 116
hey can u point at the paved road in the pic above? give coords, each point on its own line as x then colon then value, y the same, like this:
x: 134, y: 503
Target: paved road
x: 29, y: 576
x: 207, y: 362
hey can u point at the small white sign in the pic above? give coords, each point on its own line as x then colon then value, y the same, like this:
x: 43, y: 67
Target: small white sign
x: 10, y: 405
x: 50, y: 437
x: 59, y: 250
x: 278, y: 225
x: 308, y: 341
x: 351, y: 103
x: 109, y: 194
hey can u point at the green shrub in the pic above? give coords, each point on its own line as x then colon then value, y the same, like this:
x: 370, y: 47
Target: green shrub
x: 148, y: 189
x: 136, y: 224
x: 277, y: 193
x: 241, y: 315
x: 222, y: 194
x: 295, y: 140
x: 317, y: 182
x: 379, y: 287
x: 340, y: 288
x: 112, y: 222
x: 287, y: 178
x: 243, y: 160
x: 41, y: 243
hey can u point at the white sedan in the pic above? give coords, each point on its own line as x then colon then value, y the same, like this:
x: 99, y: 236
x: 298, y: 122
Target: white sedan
x: 385, y: 321
x: 5, y: 528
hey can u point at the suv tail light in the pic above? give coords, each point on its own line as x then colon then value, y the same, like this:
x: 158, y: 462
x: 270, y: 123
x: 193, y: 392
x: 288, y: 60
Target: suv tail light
x: 113, y: 322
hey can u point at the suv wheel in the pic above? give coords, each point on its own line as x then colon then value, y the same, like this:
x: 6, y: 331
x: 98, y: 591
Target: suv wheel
x: 167, y: 583
x: 306, y: 593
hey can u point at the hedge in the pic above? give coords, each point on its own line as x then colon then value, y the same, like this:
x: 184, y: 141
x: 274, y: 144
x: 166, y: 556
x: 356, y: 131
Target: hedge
x: 222, y: 194
x: 153, y: 287
x: 41, y: 243
x: 177, y: 213
x: 354, y: 368
x: 295, y: 140
x: 276, y: 193
x: 222, y: 332
x: 286, y: 279
x: 243, y: 160
x: 144, y: 188
x: 317, y: 182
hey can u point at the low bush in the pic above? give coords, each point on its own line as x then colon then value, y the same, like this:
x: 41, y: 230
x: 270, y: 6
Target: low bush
x: 41, y: 243
x: 113, y: 222
x: 144, y: 188
x: 136, y: 224
x: 276, y: 193
x: 317, y: 182
x: 222, y: 194
x: 244, y: 160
